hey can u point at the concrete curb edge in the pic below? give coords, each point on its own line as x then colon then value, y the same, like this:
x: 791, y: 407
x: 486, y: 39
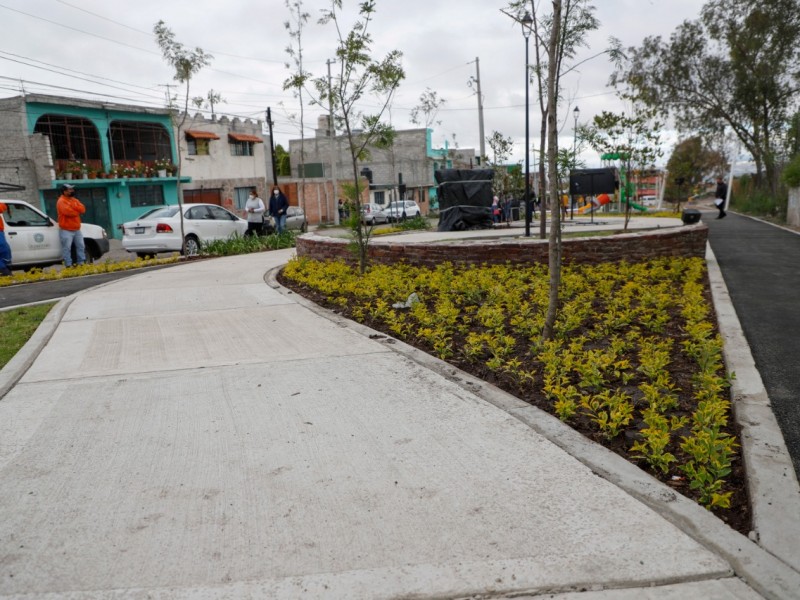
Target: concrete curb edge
x: 771, y: 478
x: 13, y: 371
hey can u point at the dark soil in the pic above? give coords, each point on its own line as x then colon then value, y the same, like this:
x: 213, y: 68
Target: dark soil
x: 737, y: 516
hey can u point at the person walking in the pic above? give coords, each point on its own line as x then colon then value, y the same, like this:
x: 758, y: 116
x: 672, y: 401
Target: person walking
x: 720, y: 196
x: 495, y: 210
x: 278, y: 205
x: 69, y: 210
x: 254, y: 207
x: 5, y: 249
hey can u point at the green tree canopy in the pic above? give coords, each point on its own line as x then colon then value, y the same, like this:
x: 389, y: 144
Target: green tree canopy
x: 737, y: 67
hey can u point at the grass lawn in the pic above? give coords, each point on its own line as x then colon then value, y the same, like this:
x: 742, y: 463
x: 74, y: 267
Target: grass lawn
x: 17, y: 326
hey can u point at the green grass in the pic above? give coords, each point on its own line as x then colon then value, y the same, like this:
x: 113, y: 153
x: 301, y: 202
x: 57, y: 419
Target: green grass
x: 16, y: 328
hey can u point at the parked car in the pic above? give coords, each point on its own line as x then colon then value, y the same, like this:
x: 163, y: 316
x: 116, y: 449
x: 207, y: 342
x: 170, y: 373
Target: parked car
x: 395, y: 210
x: 160, y: 230
x: 34, y: 240
x: 372, y: 213
x: 295, y: 219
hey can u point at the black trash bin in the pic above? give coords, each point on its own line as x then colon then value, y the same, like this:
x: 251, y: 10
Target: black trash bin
x: 690, y: 216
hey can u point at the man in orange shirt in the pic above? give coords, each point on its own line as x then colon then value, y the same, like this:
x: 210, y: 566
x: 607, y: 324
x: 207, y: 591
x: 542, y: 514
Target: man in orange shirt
x: 5, y: 249
x: 69, y: 210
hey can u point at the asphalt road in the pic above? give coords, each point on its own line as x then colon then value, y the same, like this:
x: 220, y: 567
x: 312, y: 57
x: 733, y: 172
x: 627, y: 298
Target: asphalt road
x: 42, y: 291
x: 760, y: 264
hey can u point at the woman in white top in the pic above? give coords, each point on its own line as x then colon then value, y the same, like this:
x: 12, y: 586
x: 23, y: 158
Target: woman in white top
x: 254, y: 207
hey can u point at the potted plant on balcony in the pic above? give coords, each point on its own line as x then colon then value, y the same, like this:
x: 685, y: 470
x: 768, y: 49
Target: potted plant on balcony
x: 163, y: 166
x: 75, y: 169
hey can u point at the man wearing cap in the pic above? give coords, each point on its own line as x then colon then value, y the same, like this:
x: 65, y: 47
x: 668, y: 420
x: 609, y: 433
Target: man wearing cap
x: 69, y: 210
x: 5, y: 249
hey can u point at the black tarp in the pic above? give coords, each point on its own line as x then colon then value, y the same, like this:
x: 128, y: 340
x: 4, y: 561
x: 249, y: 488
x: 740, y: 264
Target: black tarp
x: 460, y: 218
x: 464, y: 187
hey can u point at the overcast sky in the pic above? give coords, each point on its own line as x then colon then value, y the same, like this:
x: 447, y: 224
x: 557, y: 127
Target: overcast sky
x: 105, y: 49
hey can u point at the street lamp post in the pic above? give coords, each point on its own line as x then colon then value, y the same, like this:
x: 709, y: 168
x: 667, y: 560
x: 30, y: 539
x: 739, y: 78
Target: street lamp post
x: 575, y: 113
x: 527, y: 23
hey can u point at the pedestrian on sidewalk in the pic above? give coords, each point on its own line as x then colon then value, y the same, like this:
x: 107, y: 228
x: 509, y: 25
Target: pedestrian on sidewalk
x: 254, y: 207
x: 69, y: 210
x: 720, y: 196
x: 278, y: 205
x: 495, y: 210
x: 5, y: 249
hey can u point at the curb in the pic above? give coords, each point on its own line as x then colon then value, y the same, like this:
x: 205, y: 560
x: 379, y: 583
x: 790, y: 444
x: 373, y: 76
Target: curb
x: 14, y: 369
x: 771, y: 479
x: 767, y: 574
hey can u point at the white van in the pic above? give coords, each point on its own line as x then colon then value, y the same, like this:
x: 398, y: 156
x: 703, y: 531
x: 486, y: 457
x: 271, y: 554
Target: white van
x: 34, y: 241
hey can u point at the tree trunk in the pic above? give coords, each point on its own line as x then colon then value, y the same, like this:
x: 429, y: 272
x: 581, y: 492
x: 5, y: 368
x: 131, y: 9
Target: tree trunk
x: 554, y: 262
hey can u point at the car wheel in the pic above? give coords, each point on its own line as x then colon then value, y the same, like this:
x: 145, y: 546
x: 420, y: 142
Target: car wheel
x: 192, y: 246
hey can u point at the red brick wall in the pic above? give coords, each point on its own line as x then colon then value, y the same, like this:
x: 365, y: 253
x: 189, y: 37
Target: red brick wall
x: 687, y: 241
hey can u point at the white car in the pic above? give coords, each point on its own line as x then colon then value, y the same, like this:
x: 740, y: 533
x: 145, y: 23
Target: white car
x: 396, y: 210
x: 372, y: 213
x: 34, y: 241
x: 160, y: 230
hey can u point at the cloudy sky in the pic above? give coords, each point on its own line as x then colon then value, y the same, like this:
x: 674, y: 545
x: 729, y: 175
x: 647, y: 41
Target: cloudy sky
x: 105, y: 49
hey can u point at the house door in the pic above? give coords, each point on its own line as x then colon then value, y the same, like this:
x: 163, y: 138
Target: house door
x: 95, y: 199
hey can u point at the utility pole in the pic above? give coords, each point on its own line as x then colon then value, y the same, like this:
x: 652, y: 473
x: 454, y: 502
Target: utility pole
x: 480, y: 109
x: 332, y: 135
x: 272, y: 148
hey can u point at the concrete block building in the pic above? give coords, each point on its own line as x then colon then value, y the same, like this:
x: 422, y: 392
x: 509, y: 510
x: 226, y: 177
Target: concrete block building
x: 121, y: 158
x: 107, y: 151
x: 224, y: 158
x: 405, y: 169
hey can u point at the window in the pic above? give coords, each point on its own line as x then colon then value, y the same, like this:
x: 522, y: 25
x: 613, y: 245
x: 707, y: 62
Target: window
x: 379, y: 197
x: 146, y: 195
x: 240, y: 195
x: 197, y: 147
x: 71, y: 138
x: 197, y: 141
x: 220, y: 214
x: 197, y: 213
x: 135, y: 140
x: 311, y: 170
x: 243, y: 144
x: 241, y: 148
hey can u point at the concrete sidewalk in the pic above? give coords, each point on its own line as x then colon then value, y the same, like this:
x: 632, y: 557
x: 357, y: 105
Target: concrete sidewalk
x: 194, y: 432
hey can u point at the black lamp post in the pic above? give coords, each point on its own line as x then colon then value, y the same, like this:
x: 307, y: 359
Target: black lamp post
x: 527, y: 23
x: 575, y: 113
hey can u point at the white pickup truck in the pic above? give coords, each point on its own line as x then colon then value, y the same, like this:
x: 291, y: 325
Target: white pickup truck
x: 34, y: 241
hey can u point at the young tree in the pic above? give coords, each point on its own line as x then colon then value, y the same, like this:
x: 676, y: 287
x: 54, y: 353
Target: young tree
x: 554, y: 54
x: 211, y: 100
x: 297, y: 82
x: 360, y: 75
x: 634, y: 140
x: 737, y: 68
x: 186, y: 64
x: 501, y: 148
x: 428, y: 107
x: 576, y: 20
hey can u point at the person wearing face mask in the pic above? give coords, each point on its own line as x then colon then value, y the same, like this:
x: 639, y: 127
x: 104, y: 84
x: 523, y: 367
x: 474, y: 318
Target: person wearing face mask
x: 254, y: 207
x: 278, y: 204
x: 69, y: 210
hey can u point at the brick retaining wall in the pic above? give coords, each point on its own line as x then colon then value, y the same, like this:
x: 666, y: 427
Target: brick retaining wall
x: 687, y: 241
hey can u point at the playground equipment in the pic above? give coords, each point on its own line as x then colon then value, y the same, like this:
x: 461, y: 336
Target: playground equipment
x: 626, y: 188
